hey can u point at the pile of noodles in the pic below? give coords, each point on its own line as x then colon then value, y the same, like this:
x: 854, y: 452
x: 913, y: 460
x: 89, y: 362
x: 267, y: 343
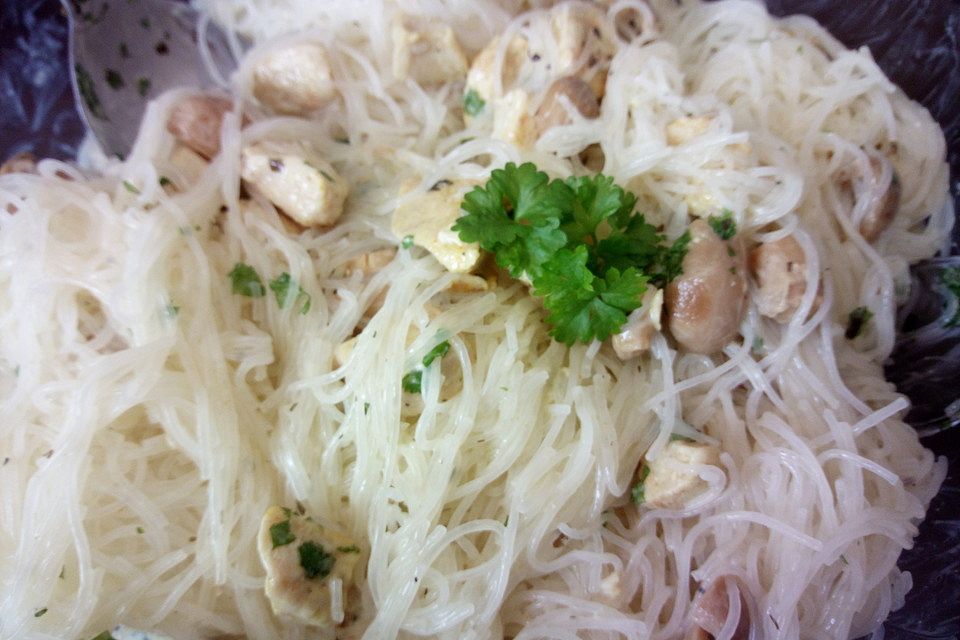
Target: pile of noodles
x: 149, y: 416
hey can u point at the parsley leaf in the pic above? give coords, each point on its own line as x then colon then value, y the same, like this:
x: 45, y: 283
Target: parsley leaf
x: 245, y: 281
x: 281, y: 286
x: 473, y: 103
x: 280, y: 534
x: 723, y: 225
x: 316, y: 562
x: 950, y: 278
x: 589, y: 256
x: 412, y: 382
x: 857, y: 319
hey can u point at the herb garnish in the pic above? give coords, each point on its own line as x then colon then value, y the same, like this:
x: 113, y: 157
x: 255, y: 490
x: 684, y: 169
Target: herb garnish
x: 245, y: 281
x: 88, y: 91
x: 143, y: 86
x: 114, y: 79
x: 950, y: 278
x: 856, y: 321
x: 407, y: 241
x: 349, y: 549
x: 412, y: 381
x: 637, y: 492
x: 316, y: 562
x: 473, y: 103
x: 104, y: 635
x: 724, y: 226
x: 280, y: 534
x: 281, y: 286
x: 588, y: 255
x: 40, y: 612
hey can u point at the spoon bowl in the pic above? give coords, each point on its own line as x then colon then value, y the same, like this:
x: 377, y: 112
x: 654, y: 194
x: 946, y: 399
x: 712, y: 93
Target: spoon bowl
x: 125, y: 52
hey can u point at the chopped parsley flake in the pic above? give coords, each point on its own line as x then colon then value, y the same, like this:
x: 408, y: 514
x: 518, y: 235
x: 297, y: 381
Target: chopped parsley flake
x: 104, y: 635
x: 437, y: 352
x: 171, y: 310
x: 589, y: 256
x: 140, y: 529
x: 280, y: 534
x: 407, y: 241
x: 165, y: 181
x: 413, y: 381
x: 114, y: 79
x: 40, y: 612
x: 245, y: 281
x: 316, y: 562
x: 349, y: 549
x: 129, y: 186
x: 124, y: 51
x: 950, y: 278
x: 856, y: 321
x: 473, y: 103
x: 637, y: 492
x: 88, y: 92
x: 282, y: 286
x: 724, y: 225
x: 366, y: 408
x: 143, y: 87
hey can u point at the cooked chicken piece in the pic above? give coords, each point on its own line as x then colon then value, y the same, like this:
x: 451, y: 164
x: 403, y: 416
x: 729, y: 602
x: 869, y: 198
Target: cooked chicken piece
x: 642, y: 325
x: 778, y: 268
x: 712, y: 607
x: 188, y: 165
x: 670, y: 484
x: 683, y: 130
x: 23, y: 162
x: 512, y: 121
x: 369, y: 263
x: 482, y: 77
x: 564, y: 93
x: 305, y: 187
x: 705, y: 304
x: 294, y: 80
x: 195, y: 121
x: 302, y: 560
x: 428, y: 218
x: 427, y: 51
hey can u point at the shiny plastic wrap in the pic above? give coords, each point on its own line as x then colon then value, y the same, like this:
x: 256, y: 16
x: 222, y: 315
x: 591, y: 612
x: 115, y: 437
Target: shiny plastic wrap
x: 916, y: 42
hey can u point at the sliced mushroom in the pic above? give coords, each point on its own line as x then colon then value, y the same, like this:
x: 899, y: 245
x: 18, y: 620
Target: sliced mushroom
x: 705, y: 304
x: 582, y: 48
x: 512, y: 121
x: 671, y: 483
x: 195, y: 121
x: 642, y: 325
x: 427, y: 51
x: 711, y: 610
x: 303, y: 186
x: 779, y: 270
x: 482, y: 76
x: 294, y: 80
x: 306, y: 566
x: 566, y: 92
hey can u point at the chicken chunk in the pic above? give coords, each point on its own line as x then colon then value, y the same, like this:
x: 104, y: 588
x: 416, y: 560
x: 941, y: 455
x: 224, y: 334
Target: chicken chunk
x: 294, y: 80
x: 304, y: 187
x: 683, y: 130
x: 705, y: 304
x: 778, y: 268
x: 23, y: 162
x: 427, y: 52
x: 195, y: 121
x: 428, y: 218
x: 482, y: 77
x: 306, y: 565
x: 512, y: 121
x: 188, y: 165
x: 642, y: 325
x: 671, y: 484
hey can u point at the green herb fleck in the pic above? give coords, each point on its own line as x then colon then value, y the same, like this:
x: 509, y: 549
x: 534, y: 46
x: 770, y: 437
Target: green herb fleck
x: 326, y: 176
x: 857, y: 319
x: 114, y: 79
x: 40, y: 612
x: 145, y: 22
x: 129, y: 186
x: 171, y: 310
x: 143, y: 86
x: 88, y: 92
x: 281, y: 287
x: 63, y: 570
x: 724, y: 225
x: 757, y: 346
x: 407, y: 241
x: 844, y: 559
x: 140, y: 529
x: 280, y: 534
x: 950, y: 278
x: 124, y: 51
x: 165, y: 181
x: 349, y: 549
x: 245, y: 281
x: 637, y: 493
x: 413, y: 381
x: 316, y: 562
x: 473, y: 103
x: 104, y: 635
x: 437, y: 352
x: 366, y: 408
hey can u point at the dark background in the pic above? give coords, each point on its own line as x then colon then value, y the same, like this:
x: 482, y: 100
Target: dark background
x: 916, y: 42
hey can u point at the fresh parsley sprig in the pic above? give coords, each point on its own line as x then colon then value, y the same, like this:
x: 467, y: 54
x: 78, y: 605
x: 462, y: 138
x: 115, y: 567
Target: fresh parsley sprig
x: 588, y: 255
